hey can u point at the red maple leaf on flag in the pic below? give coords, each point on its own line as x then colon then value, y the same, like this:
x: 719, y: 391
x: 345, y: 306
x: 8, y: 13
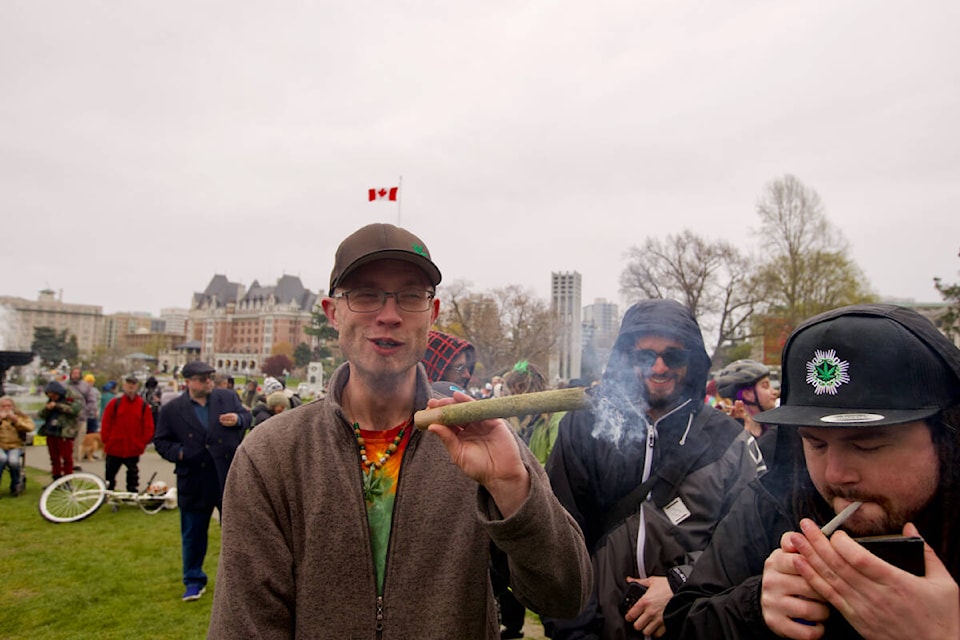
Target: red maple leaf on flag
x: 383, y: 194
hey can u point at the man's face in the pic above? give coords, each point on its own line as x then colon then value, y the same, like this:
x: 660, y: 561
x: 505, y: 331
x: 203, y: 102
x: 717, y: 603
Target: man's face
x: 74, y: 375
x: 457, y: 371
x: 663, y: 381
x: 6, y: 406
x: 130, y: 389
x: 893, y: 470
x: 388, y: 343
x: 200, y: 386
x: 763, y: 394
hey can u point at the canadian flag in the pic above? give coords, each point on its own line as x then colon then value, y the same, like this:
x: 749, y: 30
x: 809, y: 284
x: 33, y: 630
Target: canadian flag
x: 383, y: 194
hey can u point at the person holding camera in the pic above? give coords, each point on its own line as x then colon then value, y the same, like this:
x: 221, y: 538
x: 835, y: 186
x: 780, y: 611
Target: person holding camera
x: 870, y: 414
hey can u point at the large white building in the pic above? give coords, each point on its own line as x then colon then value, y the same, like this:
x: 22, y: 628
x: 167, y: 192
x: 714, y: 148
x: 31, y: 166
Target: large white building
x: 565, y: 302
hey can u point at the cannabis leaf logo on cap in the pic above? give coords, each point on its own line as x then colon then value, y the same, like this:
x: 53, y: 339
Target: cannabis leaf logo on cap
x: 826, y: 372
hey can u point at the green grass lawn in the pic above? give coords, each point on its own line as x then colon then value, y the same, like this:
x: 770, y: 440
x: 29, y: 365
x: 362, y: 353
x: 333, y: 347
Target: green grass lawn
x: 113, y: 575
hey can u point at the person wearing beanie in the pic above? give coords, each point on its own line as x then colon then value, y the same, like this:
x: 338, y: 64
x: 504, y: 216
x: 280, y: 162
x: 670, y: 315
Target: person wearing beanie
x: 449, y: 358
x: 107, y: 393
x: 344, y: 520
x: 869, y: 421
x: 61, y: 424
x: 88, y: 414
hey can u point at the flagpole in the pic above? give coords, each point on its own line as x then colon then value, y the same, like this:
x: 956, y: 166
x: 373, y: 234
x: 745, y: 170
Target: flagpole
x: 399, y: 198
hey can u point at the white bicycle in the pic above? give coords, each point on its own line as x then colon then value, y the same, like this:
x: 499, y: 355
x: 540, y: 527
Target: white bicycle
x: 77, y: 496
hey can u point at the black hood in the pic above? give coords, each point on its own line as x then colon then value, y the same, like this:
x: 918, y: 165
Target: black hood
x: 663, y: 318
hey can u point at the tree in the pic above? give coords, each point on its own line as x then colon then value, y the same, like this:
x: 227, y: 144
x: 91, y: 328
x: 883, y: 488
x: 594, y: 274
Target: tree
x: 325, y: 336
x: 302, y: 355
x: 276, y: 365
x: 949, y: 322
x: 319, y: 326
x: 807, y: 270
x: 503, y: 325
x: 283, y: 348
x: 53, y: 347
x: 712, y: 279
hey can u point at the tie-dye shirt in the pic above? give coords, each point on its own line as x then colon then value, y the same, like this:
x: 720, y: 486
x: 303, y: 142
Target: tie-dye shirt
x: 381, y: 490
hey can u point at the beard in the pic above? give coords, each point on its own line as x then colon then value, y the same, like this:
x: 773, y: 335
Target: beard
x: 662, y: 400
x: 891, y: 518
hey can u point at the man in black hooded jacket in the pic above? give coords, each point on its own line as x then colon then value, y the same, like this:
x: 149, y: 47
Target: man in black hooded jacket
x: 648, y: 471
x: 870, y: 412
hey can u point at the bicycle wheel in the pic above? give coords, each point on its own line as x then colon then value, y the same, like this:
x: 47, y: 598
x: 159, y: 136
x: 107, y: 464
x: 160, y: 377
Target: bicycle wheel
x: 72, y: 497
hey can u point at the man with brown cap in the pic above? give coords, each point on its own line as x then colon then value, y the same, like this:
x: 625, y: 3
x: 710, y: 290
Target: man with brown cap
x: 344, y: 521
x: 869, y: 414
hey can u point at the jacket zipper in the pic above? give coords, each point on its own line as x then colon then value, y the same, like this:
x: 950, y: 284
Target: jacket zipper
x: 406, y: 454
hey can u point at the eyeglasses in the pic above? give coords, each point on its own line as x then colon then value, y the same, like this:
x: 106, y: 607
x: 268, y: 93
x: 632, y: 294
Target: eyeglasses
x: 370, y: 300
x: 672, y: 357
x: 460, y: 368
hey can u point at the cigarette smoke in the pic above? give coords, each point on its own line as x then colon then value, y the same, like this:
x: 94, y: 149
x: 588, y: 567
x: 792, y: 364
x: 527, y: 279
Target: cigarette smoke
x: 619, y: 409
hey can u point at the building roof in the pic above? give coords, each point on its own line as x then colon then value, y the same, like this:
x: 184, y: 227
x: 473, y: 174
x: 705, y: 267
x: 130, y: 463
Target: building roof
x: 289, y: 289
x: 218, y: 293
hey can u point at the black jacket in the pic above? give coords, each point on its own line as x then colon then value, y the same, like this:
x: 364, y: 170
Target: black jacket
x: 600, y: 457
x: 206, y: 452
x: 721, y: 599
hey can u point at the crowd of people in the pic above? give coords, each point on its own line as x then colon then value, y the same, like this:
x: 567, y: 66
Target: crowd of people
x: 680, y: 503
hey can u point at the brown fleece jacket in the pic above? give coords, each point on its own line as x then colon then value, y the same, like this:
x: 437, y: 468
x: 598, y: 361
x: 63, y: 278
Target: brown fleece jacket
x: 296, y: 559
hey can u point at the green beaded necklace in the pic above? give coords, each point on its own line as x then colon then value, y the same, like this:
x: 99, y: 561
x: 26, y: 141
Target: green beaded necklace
x: 371, y: 469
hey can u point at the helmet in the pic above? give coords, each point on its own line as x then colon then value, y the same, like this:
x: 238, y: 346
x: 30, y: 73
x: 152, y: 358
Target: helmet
x: 157, y: 488
x: 739, y: 375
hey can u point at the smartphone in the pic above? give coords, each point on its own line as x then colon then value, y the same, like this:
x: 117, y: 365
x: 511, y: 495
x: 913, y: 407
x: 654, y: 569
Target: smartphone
x: 634, y: 592
x: 901, y: 551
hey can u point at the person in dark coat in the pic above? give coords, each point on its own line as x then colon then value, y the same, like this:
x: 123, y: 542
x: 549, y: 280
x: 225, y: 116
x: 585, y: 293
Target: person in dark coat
x: 648, y: 471
x: 199, y: 431
x: 869, y: 412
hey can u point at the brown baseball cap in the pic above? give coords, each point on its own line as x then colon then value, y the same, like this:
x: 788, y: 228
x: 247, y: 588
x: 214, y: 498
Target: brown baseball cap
x: 381, y: 241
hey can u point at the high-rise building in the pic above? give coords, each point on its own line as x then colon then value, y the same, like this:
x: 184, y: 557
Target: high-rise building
x: 565, y: 302
x: 175, y: 320
x: 601, y: 322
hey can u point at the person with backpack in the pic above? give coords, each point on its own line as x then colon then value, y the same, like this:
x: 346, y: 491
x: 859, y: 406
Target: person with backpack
x: 126, y: 430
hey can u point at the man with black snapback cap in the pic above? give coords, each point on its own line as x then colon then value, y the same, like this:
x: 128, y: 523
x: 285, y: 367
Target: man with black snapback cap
x: 344, y: 521
x: 870, y: 413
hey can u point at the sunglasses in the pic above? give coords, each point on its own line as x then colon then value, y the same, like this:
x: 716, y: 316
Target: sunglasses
x: 672, y: 357
x: 201, y: 378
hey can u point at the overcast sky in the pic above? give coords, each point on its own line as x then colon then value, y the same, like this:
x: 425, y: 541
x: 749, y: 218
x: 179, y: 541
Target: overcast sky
x: 146, y: 146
